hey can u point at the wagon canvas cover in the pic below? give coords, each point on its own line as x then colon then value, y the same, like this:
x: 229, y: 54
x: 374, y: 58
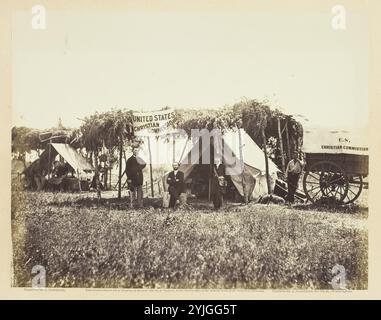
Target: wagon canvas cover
x: 336, y: 141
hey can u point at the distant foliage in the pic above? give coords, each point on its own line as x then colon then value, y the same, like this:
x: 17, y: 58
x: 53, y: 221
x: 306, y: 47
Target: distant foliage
x: 27, y: 139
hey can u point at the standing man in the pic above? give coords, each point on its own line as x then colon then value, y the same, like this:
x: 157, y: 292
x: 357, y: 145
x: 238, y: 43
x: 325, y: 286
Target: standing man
x: 175, y: 181
x: 293, y: 172
x: 134, y: 169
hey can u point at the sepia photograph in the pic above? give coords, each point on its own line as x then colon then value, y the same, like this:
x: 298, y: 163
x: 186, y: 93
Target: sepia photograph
x: 190, y: 146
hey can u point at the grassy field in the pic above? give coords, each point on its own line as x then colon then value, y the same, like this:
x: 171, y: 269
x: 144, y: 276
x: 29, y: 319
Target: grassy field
x: 83, y: 243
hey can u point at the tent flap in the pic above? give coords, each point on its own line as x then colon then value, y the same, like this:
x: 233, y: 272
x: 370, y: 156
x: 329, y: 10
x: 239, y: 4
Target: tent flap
x: 228, y: 150
x: 76, y: 161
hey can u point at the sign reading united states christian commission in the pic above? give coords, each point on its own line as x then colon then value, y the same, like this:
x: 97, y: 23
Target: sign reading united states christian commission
x: 153, y: 123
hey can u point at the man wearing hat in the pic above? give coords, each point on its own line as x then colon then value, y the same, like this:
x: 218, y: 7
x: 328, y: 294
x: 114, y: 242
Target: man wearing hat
x: 175, y: 181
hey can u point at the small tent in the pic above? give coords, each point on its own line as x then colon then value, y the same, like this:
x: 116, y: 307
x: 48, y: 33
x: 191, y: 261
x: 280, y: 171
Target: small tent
x: 76, y: 161
x: 227, y: 150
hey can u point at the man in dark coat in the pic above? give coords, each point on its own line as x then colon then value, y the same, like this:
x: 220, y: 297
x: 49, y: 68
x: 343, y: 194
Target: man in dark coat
x: 134, y: 169
x: 175, y: 181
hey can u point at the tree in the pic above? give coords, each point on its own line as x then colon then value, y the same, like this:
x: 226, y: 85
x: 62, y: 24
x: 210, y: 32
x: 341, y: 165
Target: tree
x: 108, y: 129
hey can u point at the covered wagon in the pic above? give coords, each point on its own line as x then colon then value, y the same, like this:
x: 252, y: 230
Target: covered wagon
x: 337, y: 161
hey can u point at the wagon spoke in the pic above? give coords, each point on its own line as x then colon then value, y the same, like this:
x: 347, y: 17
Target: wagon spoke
x: 337, y: 190
x: 338, y: 179
x: 314, y: 188
x: 316, y: 194
x: 310, y: 182
x: 311, y: 175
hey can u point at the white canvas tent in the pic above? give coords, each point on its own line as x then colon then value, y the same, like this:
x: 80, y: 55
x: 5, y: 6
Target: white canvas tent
x: 228, y: 150
x: 75, y: 160
x: 79, y: 164
x: 254, y: 160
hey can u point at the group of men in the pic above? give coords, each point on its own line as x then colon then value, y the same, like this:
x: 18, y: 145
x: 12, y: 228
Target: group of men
x: 176, y: 186
x: 134, y: 170
x: 38, y: 171
x: 175, y: 179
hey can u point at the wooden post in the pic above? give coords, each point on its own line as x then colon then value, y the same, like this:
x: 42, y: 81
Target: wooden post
x: 210, y: 182
x: 210, y: 168
x: 109, y: 175
x: 108, y: 182
x: 120, y: 170
x: 173, y: 149
x: 288, y: 143
x: 266, y: 160
x: 97, y: 175
x: 150, y: 166
x: 281, y: 145
x: 245, y: 195
x: 105, y: 178
x: 147, y: 188
x: 79, y: 181
x: 49, y: 152
x: 158, y: 187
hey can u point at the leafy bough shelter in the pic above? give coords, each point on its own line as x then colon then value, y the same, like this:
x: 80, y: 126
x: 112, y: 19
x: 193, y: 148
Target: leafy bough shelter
x: 105, y: 137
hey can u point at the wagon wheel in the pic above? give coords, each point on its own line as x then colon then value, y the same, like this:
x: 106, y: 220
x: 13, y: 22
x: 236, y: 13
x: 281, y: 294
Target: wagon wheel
x: 355, y: 185
x: 325, y: 179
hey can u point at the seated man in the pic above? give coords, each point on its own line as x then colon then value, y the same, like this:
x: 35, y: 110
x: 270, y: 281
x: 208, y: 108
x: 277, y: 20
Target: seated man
x: 175, y: 181
x: 59, y: 169
x: 38, y: 172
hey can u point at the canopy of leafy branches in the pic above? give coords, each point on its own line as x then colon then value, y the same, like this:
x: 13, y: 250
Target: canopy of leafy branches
x: 111, y: 128
x: 251, y: 115
x: 107, y: 129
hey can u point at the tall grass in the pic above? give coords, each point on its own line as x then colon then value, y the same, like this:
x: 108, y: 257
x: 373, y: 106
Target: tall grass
x: 256, y: 246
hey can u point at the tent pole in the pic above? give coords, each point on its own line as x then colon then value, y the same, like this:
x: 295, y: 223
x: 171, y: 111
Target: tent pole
x: 210, y: 169
x: 49, y: 151
x: 79, y: 181
x: 245, y: 195
x: 97, y: 175
x: 120, y: 170
x: 281, y: 145
x: 288, y: 142
x: 109, y: 178
x: 173, y: 149
x: 266, y: 160
x: 150, y: 165
x: 182, y: 153
x: 210, y: 183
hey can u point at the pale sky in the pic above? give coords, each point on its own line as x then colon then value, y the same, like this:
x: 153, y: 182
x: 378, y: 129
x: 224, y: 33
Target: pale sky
x: 87, y: 62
